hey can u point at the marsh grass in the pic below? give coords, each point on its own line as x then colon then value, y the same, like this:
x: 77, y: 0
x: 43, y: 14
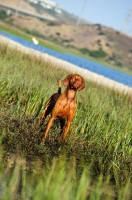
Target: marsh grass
x: 96, y: 160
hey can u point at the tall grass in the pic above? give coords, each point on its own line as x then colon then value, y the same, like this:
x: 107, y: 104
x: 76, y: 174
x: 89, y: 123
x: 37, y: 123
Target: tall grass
x: 96, y: 160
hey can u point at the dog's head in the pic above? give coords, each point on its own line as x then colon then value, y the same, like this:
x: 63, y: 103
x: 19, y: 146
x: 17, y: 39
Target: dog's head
x: 75, y: 82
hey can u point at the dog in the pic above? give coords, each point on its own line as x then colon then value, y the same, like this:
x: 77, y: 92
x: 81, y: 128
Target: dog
x: 63, y: 106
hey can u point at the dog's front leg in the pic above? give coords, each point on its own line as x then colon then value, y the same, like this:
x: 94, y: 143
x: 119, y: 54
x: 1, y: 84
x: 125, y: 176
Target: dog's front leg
x: 65, y: 130
x: 62, y: 125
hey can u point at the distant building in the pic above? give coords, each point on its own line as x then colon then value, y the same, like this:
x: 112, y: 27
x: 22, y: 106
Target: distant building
x: 48, y: 4
x: 34, y: 1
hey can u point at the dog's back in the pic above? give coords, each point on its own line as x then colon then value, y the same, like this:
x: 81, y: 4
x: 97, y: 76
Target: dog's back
x: 50, y: 103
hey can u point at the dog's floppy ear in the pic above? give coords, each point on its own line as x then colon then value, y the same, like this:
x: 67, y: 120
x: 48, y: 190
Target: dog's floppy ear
x: 82, y: 85
x: 66, y: 80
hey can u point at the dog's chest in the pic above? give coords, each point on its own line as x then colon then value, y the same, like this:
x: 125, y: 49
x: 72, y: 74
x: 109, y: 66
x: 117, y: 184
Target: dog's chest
x: 66, y: 108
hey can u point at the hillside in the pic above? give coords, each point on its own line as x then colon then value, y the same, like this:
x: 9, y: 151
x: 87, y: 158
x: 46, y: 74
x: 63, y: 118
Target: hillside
x: 93, y: 40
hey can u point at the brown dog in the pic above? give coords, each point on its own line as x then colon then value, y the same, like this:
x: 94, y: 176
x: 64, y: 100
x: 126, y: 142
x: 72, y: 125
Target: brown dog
x: 63, y: 105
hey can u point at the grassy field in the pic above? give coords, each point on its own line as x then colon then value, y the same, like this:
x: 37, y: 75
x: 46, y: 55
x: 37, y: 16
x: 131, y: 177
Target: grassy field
x: 96, y: 160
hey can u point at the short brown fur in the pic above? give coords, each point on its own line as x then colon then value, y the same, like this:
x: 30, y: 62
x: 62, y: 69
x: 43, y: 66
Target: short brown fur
x: 63, y: 106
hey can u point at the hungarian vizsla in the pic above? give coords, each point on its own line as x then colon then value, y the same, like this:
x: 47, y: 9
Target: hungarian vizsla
x: 63, y: 106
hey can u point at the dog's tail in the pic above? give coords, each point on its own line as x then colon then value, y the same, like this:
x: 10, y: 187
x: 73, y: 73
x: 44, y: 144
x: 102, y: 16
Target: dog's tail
x: 59, y: 86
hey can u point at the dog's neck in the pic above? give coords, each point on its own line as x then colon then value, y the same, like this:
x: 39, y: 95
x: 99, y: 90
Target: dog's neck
x: 70, y: 94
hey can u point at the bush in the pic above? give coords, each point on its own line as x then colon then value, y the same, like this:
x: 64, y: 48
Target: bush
x: 84, y: 50
x: 96, y: 54
x: 3, y: 14
x: 119, y: 64
x: 58, y: 34
x: 101, y: 33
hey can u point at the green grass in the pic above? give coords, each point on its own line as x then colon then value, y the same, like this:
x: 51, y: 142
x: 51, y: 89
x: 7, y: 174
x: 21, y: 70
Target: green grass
x: 96, y: 160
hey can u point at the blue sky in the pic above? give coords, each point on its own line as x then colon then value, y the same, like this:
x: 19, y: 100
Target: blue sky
x: 113, y: 13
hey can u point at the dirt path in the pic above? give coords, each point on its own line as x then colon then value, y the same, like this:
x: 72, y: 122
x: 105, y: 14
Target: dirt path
x: 100, y: 80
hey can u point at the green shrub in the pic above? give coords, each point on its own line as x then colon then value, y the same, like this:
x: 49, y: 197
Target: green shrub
x: 3, y: 14
x: 57, y: 33
x: 84, y: 50
x: 96, y: 54
x: 101, y: 33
